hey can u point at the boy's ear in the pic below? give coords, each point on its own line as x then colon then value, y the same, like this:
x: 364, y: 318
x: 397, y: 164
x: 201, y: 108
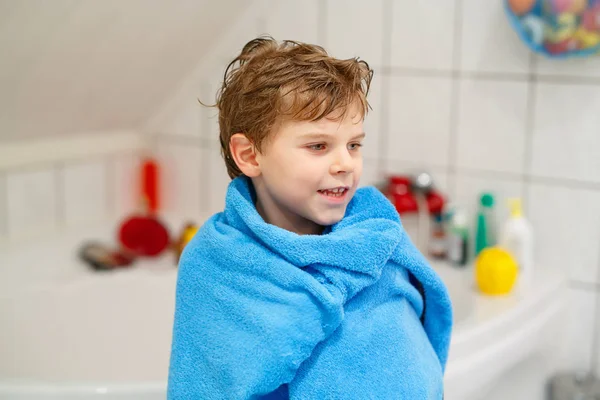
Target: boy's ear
x: 244, y: 155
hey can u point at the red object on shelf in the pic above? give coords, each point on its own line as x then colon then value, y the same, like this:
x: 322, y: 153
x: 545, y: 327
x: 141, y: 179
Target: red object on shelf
x: 150, y: 186
x: 399, y: 193
x: 435, y: 202
x: 143, y: 236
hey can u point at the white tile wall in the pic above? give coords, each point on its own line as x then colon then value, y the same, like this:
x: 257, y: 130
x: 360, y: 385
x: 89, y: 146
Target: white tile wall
x: 567, y: 227
x: 491, y: 125
x: 422, y: 34
x: 419, y: 120
x: 487, y: 43
x: 373, y: 121
x: 370, y: 174
x: 218, y: 180
x: 85, y: 192
x: 588, y: 67
x: 183, y: 178
x: 126, y: 185
x: 566, y: 135
x: 49, y: 198
x: 294, y: 20
x: 208, y: 95
x: 31, y: 202
x: 354, y: 28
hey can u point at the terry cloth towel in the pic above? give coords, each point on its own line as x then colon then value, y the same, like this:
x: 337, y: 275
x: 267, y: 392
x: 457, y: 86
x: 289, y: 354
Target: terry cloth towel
x: 262, y: 312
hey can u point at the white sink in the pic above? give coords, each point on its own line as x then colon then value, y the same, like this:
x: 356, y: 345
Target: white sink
x: 493, y: 334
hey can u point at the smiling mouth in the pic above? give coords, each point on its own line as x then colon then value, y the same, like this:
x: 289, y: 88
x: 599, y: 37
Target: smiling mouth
x: 335, y: 192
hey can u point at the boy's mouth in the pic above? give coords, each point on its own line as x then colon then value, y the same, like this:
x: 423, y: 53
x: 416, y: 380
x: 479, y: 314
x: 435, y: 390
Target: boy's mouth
x: 338, y: 192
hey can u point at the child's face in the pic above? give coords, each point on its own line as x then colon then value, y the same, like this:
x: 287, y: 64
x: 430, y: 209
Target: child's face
x: 309, y: 172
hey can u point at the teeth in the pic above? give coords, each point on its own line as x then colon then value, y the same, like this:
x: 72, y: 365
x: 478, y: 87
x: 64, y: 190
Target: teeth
x: 337, y: 192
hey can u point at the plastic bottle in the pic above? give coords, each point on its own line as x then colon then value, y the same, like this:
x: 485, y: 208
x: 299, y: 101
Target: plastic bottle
x: 458, y: 240
x: 437, y: 241
x: 517, y: 238
x: 485, y: 236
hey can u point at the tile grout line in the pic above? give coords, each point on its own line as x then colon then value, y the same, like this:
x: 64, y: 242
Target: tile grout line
x: 490, y: 76
x: 451, y: 175
x: 530, y: 109
x: 206, y: 151
x: 566, y: 182
x: 502, y: 175
x: 67, y: 161
x: 582, y: 285
x: 596, y: 329
x: 384, y: 125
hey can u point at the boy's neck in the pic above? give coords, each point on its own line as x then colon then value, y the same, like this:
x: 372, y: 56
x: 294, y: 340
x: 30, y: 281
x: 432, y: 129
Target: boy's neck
x: 273, y: 214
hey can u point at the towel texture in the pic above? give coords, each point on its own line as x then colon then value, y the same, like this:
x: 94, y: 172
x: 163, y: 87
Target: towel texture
x: 262, y: 312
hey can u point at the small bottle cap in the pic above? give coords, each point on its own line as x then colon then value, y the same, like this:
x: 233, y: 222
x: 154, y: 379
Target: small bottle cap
x: 487, y: 200
x: 516, y: 210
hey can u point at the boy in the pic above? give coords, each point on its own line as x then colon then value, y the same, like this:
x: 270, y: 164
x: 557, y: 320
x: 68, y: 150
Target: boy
x: 303, y: 287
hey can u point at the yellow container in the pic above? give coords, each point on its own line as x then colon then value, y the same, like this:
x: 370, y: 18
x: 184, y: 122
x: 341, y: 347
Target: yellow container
x: 495, y: 271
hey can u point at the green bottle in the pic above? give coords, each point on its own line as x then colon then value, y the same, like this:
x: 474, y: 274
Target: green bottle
x: 485, y: 223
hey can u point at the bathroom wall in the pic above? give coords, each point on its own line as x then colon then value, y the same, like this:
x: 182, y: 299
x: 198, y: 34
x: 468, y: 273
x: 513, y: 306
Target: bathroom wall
x: 454, y: 93
x: 48, y: 186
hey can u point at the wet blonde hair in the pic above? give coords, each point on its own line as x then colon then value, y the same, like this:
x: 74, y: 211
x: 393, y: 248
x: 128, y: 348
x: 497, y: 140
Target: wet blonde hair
x: 269, y: 82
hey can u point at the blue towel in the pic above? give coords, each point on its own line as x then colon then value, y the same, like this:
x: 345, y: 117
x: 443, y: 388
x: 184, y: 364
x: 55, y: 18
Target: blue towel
x: 264, y: 313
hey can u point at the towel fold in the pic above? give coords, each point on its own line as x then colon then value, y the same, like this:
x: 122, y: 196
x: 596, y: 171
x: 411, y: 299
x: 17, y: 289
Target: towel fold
x: 262, y: 312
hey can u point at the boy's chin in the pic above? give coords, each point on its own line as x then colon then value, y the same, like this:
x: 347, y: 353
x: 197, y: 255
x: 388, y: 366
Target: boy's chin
x: 328, y: 220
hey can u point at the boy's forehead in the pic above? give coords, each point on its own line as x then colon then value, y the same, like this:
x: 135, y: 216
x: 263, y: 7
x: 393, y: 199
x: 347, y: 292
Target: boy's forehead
x: 325, y: 125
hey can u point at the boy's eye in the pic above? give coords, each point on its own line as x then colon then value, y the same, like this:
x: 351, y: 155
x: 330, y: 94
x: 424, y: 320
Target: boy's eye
x: 317, y: 147
x: 355, y: 146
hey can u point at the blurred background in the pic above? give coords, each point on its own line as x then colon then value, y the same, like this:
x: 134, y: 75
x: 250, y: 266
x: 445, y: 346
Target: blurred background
x: 92, y: 89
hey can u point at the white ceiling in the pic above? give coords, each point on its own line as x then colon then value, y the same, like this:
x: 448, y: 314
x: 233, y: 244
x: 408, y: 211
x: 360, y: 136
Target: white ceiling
x: 71, y: 66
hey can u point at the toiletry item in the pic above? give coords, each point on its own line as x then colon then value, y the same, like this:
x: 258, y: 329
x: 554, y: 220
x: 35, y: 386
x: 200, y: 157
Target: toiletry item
x: 485, y: 235
x: 398, y: 193
x: 496, y: 271
x: 458, y: 238
x: 517, y: 238
x: 187, y: 233
x: 150, y: 184
x: 143, y: 235
x: 437, y: 241
x: 102, y: 258
x: 422, y: 184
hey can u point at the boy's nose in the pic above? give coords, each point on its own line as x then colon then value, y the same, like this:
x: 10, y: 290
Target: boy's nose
x: 344, y: 163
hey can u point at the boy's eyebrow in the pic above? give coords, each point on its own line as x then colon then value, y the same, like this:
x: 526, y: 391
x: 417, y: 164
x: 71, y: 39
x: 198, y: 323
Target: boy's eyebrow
x: 317, y: 135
